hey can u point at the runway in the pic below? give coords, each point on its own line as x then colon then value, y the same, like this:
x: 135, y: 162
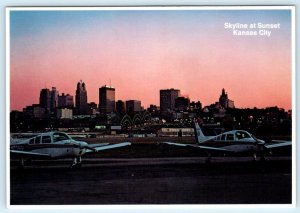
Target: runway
x: 226, y: 180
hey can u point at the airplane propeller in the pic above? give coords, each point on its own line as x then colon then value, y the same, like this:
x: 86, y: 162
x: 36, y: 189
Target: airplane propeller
x: 84, y: 145
x: 90, y: 148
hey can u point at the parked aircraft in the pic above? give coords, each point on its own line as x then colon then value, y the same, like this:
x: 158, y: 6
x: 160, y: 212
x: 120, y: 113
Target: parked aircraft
x: 235, y: 141
x: 55, y: 145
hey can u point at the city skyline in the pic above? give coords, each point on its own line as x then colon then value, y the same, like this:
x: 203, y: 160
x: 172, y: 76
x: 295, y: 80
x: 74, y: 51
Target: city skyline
x: 62, y: 97
x: 63, y: 102
x: 141, y: 52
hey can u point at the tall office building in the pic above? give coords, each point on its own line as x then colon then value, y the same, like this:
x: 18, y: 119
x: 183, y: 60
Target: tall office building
x: 133, y: 106
x: 45, y: 99
x: 167, y: 101
x: 81, y: 99
x: 225, y: 101
x: 53, y: 99
x: 107, y: 99
x: 182, y: 103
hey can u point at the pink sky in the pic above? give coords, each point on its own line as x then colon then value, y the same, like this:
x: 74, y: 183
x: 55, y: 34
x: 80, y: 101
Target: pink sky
x: 140, y: 59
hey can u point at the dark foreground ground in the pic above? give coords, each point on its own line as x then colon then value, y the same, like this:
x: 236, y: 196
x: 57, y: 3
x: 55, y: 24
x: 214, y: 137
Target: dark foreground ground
x: 227, y: 180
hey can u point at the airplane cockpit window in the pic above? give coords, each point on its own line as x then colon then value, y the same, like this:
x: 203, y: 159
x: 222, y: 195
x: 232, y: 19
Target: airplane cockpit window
x: 31, y: 141
x: 46, y: 139
x: 218, y: 138
x: 241, y: 135
x: 223, y: 137
x: 60, y: 137
x: 230, y: 137
x: 37, y: 140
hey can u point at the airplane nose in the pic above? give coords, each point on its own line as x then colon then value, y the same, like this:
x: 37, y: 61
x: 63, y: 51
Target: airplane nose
x: 83, y: 144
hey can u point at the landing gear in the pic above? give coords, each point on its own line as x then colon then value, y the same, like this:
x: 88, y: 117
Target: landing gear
x: 254, y: 156
x: 22, y: 163
x: 263, y: 154
x: 262, y: 157
x: 76, y: 162
x: 208, y: 159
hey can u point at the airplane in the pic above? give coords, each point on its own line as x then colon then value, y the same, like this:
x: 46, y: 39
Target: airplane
x: 235, y: 141
x: 56, y: 145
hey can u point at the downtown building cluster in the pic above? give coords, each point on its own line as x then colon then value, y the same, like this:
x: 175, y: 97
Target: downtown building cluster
x: 62, y: 106
x: 172, y: 107
x: 64, y: 111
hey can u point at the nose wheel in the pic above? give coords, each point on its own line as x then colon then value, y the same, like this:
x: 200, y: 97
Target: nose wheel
x: 262, y: 157
x: 76, y: 162
x: 254, y: 156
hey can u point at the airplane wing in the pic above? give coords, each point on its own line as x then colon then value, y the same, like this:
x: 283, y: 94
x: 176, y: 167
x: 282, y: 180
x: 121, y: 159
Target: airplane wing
x: 281, y: 141
x: 177, y: 144
x: 210, y: 148
x: 109, y: 146
x: 29, y: 154
x: 98, y: 145
x: 280, y: 144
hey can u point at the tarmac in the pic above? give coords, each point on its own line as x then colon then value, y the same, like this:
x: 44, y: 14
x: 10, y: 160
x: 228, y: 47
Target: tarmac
x: 175, y: 180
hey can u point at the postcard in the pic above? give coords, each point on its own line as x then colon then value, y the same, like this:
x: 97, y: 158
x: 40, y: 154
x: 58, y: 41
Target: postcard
x: 185, y: 105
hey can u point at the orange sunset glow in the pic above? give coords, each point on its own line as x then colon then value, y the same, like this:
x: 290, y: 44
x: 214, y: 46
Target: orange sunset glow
x: 141, y: 52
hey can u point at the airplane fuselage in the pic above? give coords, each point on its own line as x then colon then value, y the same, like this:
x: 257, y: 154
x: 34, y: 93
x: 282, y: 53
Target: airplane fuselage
x: 54, y: 150
x: 50, y: 144
x: 235, y: 146
x: 235, y: 141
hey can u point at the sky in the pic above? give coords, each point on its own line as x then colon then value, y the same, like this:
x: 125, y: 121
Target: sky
x: 141, y: 51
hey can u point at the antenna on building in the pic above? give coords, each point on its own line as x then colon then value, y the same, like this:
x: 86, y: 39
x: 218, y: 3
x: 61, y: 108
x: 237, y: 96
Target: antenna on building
x: 109, y: 83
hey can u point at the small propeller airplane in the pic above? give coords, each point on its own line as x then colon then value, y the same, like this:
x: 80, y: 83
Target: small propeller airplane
x: 235, y: 141
x: 55, y: 145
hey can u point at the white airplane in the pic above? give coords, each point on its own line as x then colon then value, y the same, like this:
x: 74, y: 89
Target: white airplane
x: 55, y: 145
x: 235, y: 141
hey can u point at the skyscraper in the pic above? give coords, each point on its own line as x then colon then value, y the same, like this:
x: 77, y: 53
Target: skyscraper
x: 133, y: 106
x: 106, y: 99
x: 81, y: 99
x: 45, y: 99
x: 53, y: 99
x: 167, y: 100
x: 225, y: 101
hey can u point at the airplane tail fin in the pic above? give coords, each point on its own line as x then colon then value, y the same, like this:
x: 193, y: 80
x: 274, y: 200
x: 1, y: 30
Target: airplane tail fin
x: 200, y: 137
